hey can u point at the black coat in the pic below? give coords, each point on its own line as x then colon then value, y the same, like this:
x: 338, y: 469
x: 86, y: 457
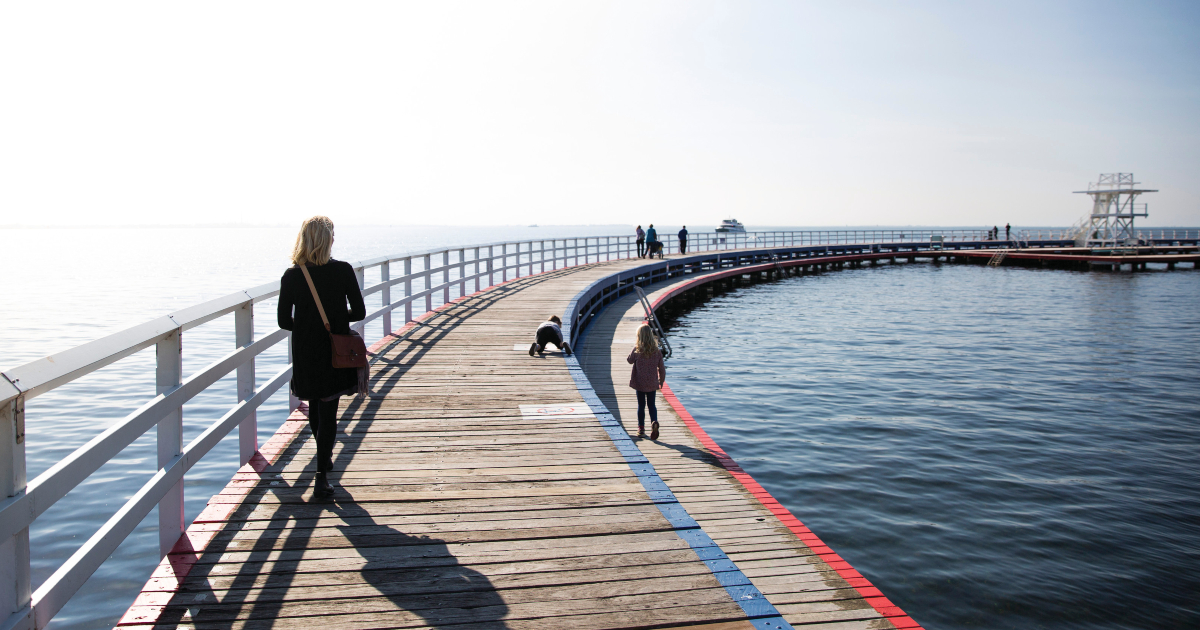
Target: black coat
x: 313, y: 374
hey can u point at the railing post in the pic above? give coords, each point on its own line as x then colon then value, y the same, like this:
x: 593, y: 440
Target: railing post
x: 491, y: 265
x: 428, y: 283
x: 462, y: 273
x: 15, y: 585
x: 408, y: 289
x: 360, y: 274
x: 476, y: 274
x: 168, y: 376
x: 446, y: 277
x: 293, y: 402
x: 243, y: 332
x: 385, y: 274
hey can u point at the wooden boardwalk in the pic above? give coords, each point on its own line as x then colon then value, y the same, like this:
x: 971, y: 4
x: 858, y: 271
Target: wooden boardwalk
x: 476, y: 489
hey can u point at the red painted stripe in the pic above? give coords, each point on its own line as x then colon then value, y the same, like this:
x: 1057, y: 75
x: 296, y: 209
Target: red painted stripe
x: 864, y: 587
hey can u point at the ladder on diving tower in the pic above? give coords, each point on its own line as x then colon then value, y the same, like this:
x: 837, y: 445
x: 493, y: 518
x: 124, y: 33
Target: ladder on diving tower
x: 998, y: 258
x: 663, y: 345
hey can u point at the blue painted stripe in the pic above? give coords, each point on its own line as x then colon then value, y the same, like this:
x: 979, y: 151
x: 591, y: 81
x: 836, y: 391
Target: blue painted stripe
x: 762, y: 613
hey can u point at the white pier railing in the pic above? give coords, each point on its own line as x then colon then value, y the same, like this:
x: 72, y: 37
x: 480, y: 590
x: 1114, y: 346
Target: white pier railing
x: 408, y: 284
x: 444, y: 273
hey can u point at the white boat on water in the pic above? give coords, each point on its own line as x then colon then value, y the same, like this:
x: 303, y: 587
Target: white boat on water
x: 731, y: 225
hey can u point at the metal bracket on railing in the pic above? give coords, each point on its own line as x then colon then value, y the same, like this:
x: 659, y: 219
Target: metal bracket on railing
x: 18, y: 412
x: 663, y: 345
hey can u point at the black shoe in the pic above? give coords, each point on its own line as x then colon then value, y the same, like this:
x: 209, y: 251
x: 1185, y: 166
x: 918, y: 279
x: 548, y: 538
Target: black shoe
x: 321, y: 487
x: 653, y: 431
x: 567, y: 349
x: 532, y: 347
x: 641, y: 433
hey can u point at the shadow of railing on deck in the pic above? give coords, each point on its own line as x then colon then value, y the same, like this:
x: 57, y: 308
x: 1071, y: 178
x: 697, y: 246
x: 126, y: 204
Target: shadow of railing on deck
x: 297, y: 561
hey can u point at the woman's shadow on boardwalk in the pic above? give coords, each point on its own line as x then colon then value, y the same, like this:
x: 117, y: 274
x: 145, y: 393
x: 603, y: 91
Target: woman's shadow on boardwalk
x: 419, y: 574
x: 423, y: 582
x: 424, y: 578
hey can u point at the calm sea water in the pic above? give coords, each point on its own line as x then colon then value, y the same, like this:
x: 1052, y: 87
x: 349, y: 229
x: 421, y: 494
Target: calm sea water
x: 994, y: 448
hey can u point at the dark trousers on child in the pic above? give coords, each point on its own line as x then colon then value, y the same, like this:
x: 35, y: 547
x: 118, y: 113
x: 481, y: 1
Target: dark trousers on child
x: 546, y: 335
x: 641, y: 243
x: 322, y: 419
x: 646, y: 399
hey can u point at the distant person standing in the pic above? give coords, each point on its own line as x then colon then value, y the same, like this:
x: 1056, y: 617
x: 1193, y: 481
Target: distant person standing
x: 641, y: 241
x: 648, y: 375
x: 1008, y: 231
x: 683, y: 240
x: 651, y: 239
x: 995, y: 232
x: 314, y: 379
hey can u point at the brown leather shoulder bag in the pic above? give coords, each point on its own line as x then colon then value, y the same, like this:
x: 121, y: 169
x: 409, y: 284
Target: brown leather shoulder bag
x: 349, y: 351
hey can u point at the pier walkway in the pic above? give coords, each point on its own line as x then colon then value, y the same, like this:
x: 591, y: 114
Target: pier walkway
x: 477, y: 488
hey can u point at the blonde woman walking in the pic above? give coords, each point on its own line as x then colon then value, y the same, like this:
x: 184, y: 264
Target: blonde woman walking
x: 649, y: 374
x: 314, y: 379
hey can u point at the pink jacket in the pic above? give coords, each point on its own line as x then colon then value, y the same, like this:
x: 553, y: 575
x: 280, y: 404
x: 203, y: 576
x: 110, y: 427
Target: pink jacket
x: 648, y: 372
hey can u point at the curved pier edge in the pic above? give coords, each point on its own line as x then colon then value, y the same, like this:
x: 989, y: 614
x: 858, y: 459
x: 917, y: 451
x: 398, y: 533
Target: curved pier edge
x: 878, y: 601
x: 761, y: 613
x: 873, y: 595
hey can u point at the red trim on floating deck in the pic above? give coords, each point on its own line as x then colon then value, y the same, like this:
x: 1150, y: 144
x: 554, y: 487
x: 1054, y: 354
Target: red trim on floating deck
x: 874, y: 597
x: 881, y: 604
x: 164, y: 582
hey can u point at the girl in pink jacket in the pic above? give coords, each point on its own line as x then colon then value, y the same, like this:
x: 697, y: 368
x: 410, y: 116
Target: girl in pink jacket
x: 649, y: 373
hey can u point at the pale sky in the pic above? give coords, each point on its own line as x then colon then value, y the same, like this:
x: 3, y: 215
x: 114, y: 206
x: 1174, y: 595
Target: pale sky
x: 480, y: 113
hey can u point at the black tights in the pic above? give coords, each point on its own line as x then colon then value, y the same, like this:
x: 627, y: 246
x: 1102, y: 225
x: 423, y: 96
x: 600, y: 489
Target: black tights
x: 322, y: 419
x: 646, y: 399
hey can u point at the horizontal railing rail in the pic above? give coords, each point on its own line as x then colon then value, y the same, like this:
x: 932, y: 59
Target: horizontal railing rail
x: 423, y: 278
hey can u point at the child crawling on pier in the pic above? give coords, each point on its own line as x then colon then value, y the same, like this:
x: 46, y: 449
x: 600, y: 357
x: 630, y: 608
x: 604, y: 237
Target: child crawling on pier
x: 649, y: 374
x: 549, y: 332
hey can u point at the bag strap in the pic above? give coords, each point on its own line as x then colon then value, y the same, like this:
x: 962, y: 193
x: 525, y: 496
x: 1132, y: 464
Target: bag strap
x: 316, y: 298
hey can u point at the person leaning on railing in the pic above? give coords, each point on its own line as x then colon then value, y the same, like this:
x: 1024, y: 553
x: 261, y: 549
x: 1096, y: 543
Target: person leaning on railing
x: 314, y: 378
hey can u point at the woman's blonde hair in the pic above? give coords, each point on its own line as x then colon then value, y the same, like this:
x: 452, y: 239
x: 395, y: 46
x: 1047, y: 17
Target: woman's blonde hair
x: 646, y: 345
x: 314, y: 243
